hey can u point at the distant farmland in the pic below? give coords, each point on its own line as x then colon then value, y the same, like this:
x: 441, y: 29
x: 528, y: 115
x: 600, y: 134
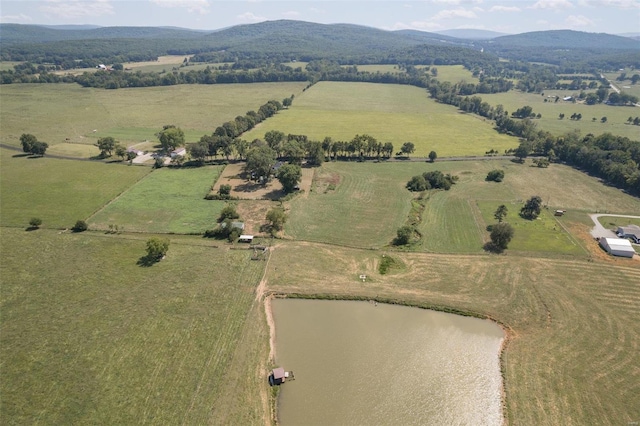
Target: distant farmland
x: 389, y: 113
x: 68, y: 113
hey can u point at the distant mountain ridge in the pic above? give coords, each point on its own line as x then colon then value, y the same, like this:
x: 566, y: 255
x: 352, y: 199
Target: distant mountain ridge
x: 567, y: 39
x: 471, y: 34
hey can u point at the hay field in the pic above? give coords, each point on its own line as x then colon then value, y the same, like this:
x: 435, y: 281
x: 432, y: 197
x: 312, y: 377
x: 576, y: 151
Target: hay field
x: 59, y: 113
x: 574, y: 336
x: 369, y: 203
x: 89, y: 337
x: 59, y: 192
x: 390, y: 113
x: 166, y: 201
x: 616, y: 115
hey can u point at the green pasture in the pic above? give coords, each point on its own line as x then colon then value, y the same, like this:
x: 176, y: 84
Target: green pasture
x: 613, y: 222
x: 455, y: 74
x: 371, y: 199
x: 381, y: 68
x: 573, y: 324
x: 616, y: 115
x: 632, y: 89
x: 352, y: 213
x: 167, y: 201
x: 59, y: 192
x: 59, y: 113
x: 390, y: 113
x: 543, y: 234
x: 89, y: 337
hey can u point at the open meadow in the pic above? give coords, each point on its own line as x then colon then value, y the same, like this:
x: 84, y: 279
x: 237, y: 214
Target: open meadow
x: 389, y: 113
x: 455, y: 74
x: 59, y: 192
x: 88, y: 336
x: 616, y: 115
x: 167, y: 200
x: 363, y: 204
x: 68, y: 114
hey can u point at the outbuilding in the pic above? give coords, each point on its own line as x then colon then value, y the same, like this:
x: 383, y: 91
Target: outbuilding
x: 617, y: 247
x: 244, y: 238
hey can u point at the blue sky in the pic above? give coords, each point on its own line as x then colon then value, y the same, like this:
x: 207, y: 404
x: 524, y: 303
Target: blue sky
x: 514, y: 16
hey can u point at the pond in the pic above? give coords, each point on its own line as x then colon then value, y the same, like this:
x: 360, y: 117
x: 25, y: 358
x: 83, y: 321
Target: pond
x: 361, y: 363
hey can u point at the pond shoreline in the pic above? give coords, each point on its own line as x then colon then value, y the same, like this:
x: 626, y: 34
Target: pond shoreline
x: 508, y: 333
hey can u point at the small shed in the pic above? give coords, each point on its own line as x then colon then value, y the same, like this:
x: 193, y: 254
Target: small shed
x: 617, y: 247
x: 245, y: 238
x: 277, y: 376
x: 559, y: 213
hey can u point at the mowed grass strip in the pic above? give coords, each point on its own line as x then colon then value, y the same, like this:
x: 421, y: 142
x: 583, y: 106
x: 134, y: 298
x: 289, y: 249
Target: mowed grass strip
x: 616, y: 115
x: 167, y: 201
x: 574, y: 325
x: 390, y: 113
x: 58, y: 113
x: 59, y: 192
x: 87, y: 336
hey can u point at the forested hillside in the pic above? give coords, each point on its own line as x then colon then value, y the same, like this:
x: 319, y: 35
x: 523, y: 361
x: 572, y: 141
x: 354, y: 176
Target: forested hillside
x: 286, y: 40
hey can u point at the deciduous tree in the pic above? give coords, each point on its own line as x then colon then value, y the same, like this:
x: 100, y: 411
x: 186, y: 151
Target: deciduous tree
x: 157, y: 248
x: 289, y: 175
x: 501, y: 213
x: 501, y: 235
x: 170, y: 137
x: 531, y: 208
x: 106, y: 146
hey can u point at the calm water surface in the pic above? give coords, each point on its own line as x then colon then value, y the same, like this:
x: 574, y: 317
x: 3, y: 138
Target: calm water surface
x: 356, y: 363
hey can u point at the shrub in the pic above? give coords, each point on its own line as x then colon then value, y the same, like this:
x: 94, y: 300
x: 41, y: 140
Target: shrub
x: 228, y: 212
x: 35, y: 222
x: 495, y: 175
x: 80, y: 226
x: 403, y: 236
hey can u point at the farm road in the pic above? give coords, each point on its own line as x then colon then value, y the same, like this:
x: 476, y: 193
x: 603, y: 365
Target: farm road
x: 600, y: 231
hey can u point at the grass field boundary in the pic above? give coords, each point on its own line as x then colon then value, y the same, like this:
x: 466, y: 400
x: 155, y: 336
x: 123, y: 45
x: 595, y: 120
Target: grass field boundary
x: 119, y: 195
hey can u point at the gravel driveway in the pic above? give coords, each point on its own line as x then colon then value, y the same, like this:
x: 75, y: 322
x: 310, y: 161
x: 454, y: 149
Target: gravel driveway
x: 600, y: 231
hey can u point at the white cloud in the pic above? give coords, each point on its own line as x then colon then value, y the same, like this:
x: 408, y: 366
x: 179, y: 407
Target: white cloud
x: 250, y: 17
x: 193, y: 6
x: 454, y: 13
x: 578, y: 21
x: 552, y: 4
x: 456, y: 2
x: 620, y: 4
x: 77, y: 9
x: 505, y: 9
x: 291, y: 14
x: 426, y: 25
x: 16, y: 18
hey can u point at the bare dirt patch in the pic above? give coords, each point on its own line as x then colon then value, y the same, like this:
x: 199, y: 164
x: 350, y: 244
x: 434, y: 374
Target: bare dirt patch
x: 245, y: 189
x: 253, y: 214
x: 326, y: 181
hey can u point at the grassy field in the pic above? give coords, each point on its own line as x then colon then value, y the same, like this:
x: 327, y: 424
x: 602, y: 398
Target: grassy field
x: 574, y: 336
x: 59, y: 113
x: 351, y: 213
x: 612, y: 222
x: 167, y: 200
x: 8, y: 65
x: 89, y: 337
x: 369, y: 203
x: 390, y: 113
x: 616, y: 115
x: 59, y: 192
x: 455, y: 74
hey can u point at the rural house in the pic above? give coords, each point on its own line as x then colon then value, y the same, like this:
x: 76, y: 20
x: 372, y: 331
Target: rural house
x: 617, y: 247
x: 631, y: 232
